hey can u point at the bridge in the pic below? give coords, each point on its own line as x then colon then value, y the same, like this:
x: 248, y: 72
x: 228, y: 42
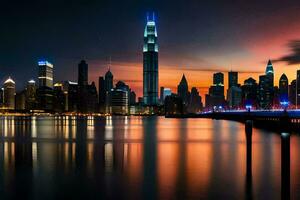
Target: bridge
x: 279, y: 120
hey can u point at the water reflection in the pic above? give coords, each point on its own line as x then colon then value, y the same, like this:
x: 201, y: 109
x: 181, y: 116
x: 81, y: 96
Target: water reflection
x: 150, y: 158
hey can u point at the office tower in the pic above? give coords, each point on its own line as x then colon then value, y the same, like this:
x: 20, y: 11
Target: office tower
x: 250, y: 92
x: 173, y: 105
x: 292, y: 92
x: 59, y: 98
x: 161, y: 98
x: 166, y: 92
x: 92, y: 98
x: 132, y: 98
x: 102, y: 94
x: 45, y: 89
x: 9, y: 94
x: 82, y: 73
x: 234, y: 97
x: 118, y: 101
x: 195, y: 103
x: 45, y: 74
x: 20, y: 99
x: 270, y: 73
x: 232, y: 79
x: 30, y: 95
x: 298, y: 88
x: 1, y: 97
x: 150, y: 64
x: 216, y: 97
x: 283, y: 88
x: 265, y: 92
x: 218, y: 79
x: 72, y: 96
x: 109, y: 81
x: 183, y: 90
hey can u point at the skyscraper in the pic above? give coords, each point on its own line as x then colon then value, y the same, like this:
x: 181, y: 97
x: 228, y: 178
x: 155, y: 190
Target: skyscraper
x: 9, y: 94
x: 109, y: 81
x: 45, y: 89
x: 283, y: 88
x: 45, y: 74
x: 218, y: 79
x: 232, y: 79
x: 298, y: 88
x: 82, y: 73
x: 30, y: 101
x: 183, y: 90
x: 150, y: 63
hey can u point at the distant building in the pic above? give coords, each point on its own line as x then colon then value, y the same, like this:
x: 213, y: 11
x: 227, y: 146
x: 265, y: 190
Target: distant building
x: 92, y: 99
x: 232, y: 79
x: 166, y: 92
x: 1, y: 97
x: 118, y: 101
x: 150, y: 64
x: 250, y: 92
x: 283, y: 88
x: 20, y: 100
x: 9, y: 94
x: 216, y: 97
x: 72, y: 96
x: 292, y: 92
x: 59, y: 98
x: 298, y: 88
x: 83, y: 73
x: 195, y: 104
x: 45, y: 89
x: 102, y: 94
x: 132, y: 98
x: 30, y: 96
x: 183, y: 90
x: 109, y: 81
x: 234, y: 97
x: 173, y: 105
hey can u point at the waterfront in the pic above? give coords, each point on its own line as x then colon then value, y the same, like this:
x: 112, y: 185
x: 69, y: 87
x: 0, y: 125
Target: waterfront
x: 140, y: 157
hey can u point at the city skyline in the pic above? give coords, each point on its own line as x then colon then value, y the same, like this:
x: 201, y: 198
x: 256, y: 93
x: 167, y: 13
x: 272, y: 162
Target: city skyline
x: 220, y: 41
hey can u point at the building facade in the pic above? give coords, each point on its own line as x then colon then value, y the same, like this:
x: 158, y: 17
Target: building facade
x: 150, y: 64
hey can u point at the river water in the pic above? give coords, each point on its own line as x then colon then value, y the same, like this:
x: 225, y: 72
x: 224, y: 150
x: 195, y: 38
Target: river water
x: 143, y: 158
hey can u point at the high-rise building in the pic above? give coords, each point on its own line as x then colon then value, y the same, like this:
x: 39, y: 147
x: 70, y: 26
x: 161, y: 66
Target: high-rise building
x: 83, y: 73
x: 270, y: 73
x: 109, y: 81
x: 298, y: 88
x: 150, y: 64
x: 45, y: 89
x: 45, y: 74
x: 195, y: 104
x: 1, y: 97
x: 72, y: 96
x: 232, y: 79
x: 218, y: 79
x: 20, y: 99
x: 250, y: 92
x: 118, y: 101
x: 9, y: 94
x: 216, y: 97
x: 102, y: 94
x: 183, y: 90
x: 132, y: 98
x: 283, y: 88
x: 59, y: 98
x: 30, y: 95
x: 292, y: 92
x: 234, y: 96
x: 161, y: 93
x: 166, y: 92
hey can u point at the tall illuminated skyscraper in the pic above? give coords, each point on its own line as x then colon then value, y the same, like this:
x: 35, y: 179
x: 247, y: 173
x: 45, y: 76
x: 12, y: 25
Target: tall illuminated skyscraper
x: 45, y: 74
x: 9, y: 93
x: 150, y: 63
x: 45, y: 89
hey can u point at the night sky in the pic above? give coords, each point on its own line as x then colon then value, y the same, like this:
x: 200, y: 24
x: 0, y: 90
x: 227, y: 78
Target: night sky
x: 195, y: 37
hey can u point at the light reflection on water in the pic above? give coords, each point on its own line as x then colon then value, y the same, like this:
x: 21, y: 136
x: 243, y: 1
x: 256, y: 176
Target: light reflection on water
x: 140, y: 157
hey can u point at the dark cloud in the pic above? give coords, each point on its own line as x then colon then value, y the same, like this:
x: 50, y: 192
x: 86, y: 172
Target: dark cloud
x: 294, y: 57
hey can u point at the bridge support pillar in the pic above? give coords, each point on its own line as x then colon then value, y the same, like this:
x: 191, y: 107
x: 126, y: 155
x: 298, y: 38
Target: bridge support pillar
x: 285, y: 166
x: 248, y: 130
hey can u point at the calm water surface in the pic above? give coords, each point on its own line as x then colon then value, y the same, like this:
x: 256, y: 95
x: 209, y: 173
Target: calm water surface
x: 142, y: 158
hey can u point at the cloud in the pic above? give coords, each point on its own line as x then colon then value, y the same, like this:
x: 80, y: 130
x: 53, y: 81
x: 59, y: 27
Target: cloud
x: 294, y: 56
